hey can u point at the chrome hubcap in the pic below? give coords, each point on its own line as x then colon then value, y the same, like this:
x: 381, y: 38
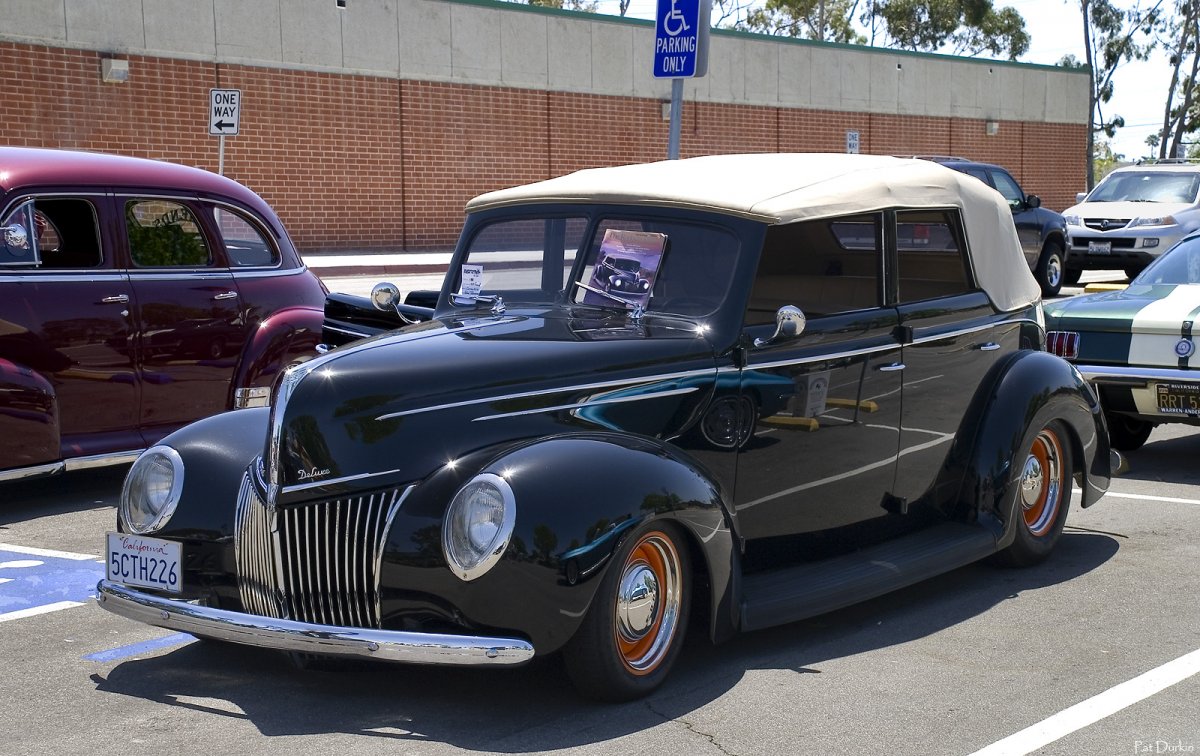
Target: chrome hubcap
x: 637, y: 602
x: 1031, y: 482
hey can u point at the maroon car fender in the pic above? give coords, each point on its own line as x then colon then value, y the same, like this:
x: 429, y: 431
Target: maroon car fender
x: 28, y: 416
x: 286, y: 336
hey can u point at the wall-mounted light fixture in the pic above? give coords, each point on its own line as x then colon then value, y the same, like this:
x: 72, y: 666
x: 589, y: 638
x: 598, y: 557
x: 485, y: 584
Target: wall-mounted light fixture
x: 991, y: 128
x: 114, y: 71
x: 666, y: 111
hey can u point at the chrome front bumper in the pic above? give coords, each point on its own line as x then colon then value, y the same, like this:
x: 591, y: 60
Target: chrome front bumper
x: 302, y: 637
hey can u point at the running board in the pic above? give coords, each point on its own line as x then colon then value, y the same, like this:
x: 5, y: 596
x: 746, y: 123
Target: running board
x: 796, y: 593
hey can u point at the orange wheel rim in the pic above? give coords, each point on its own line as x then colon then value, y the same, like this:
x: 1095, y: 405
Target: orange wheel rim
x: 1043, y: 483
x: 648, y: 601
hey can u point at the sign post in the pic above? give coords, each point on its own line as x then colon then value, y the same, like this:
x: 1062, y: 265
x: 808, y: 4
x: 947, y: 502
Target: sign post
x: 680, y: 52
x: 224, y: 117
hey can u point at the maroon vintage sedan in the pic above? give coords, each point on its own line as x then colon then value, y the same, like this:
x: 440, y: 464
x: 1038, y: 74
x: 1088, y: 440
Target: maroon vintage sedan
x: 135, y: 297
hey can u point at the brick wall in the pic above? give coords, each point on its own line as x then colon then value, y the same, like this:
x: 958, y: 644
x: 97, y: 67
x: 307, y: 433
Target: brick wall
x: 359, y: 162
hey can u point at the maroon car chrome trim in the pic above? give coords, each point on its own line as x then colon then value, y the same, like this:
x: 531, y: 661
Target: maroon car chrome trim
x: 305, y: 637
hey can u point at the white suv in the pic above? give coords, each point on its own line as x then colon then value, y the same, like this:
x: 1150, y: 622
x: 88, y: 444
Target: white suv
x: 1135, y: 214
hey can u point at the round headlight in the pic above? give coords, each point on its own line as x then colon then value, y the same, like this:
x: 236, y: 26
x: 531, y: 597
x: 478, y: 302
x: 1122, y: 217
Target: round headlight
x: 151, y: 490
x: 478, y: 525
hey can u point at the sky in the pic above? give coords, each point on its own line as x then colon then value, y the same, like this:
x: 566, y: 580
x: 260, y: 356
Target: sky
x: 1056, y: 29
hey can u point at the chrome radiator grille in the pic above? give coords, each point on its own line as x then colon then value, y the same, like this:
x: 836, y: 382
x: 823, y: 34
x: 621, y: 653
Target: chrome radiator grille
x: 315, y: 562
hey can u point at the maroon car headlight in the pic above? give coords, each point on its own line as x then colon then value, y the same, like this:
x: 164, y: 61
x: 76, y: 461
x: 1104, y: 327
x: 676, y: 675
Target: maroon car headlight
x: 151, y: 491
x: 478, y: 525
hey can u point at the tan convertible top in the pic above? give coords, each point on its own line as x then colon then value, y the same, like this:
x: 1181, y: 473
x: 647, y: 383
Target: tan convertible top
x: 785, y: 188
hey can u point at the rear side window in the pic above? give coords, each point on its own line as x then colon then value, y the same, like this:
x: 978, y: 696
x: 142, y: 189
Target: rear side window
x: 246, y: 244
x: 823, y: 267
x: 164, y: 234
x: 55, y: 233
x: 929, y: 251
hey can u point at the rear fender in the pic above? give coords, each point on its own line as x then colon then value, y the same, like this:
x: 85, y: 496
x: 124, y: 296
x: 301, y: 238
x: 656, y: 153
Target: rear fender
x: 1030, y: 389
x: 29, y: 418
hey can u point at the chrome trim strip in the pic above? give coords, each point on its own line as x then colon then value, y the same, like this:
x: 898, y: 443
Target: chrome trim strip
x: 630, y: 382
x: 20, y: 473
x: 102, y: 460
x: 824, y: 357
x: 334, y: 481
x: 597, y: 402
x: 393, y: 510
x: 59, y: 275
x: 303, y: 637
x: 346, y: 331
x: 953, y: 334
x: 257, y: 396
x: 1136, y: 377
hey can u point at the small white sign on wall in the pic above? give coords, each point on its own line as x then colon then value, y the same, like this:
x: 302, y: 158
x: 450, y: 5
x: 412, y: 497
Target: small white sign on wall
x: 224, y: 111
x: 852, y: 142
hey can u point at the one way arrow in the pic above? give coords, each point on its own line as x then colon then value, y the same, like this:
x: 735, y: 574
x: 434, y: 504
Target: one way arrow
x: 222, y: 125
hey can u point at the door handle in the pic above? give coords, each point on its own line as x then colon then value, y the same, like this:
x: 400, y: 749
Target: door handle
x: 991, y: 346
x: 891, y: 368
x: 118, y: 299
x: 226, y: 295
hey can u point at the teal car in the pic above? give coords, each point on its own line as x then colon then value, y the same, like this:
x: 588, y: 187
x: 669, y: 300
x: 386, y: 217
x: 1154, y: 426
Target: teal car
x: 1138, y: 346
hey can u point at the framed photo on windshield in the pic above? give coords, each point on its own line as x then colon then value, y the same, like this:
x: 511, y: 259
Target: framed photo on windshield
x: 626, y: 268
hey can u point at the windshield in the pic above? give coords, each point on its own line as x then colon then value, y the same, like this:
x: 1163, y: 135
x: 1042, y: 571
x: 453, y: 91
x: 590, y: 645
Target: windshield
x: 658, y: 264
x: 1181, y: 265
x: 1147, y: 186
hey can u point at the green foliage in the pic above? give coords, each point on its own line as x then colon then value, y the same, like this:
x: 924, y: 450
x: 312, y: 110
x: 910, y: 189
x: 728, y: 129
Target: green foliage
x: 967, y: 26
x: 1104, y: 160
x: 585, y: 6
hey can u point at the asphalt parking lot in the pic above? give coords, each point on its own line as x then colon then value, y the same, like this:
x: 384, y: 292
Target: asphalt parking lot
x: 1095, y: 651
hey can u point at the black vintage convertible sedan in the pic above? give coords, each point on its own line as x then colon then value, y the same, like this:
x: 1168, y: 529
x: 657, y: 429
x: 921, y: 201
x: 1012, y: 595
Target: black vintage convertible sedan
x: 835, y: 387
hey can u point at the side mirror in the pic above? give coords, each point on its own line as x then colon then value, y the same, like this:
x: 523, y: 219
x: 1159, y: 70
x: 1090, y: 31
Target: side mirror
x: 1080, y: 197
x: 1033, y: 201
x: 789, y: 323
x: 385, y: 296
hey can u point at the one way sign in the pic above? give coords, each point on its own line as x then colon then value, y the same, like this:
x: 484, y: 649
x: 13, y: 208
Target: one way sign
x: 224, y: 110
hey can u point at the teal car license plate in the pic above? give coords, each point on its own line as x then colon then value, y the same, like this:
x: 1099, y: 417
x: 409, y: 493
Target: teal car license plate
x: 1178, y: 398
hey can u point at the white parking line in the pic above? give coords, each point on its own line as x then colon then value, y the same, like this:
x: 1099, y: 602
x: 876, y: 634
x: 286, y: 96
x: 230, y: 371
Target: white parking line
x: 1095, y: 708
x: 45, y: 552
x: 35, y: 610
x: 1146, y: 497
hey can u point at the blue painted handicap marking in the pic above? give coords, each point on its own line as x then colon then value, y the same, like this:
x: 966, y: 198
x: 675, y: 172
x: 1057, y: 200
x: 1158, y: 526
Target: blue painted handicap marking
x: 38, y: 581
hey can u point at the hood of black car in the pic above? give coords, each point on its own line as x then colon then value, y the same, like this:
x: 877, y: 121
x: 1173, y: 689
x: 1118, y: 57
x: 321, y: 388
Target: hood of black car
x: 400, y: 406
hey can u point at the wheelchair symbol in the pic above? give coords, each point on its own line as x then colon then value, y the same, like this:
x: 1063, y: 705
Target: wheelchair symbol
x: 676, y: 15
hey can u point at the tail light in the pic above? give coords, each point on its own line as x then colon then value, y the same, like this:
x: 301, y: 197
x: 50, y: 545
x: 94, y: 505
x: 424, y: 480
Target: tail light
x: 1063, y: 343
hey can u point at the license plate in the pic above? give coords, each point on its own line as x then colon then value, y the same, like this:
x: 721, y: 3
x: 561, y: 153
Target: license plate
x: 1099, y: 248
x: 1178, y: 398
x: 143, y: 562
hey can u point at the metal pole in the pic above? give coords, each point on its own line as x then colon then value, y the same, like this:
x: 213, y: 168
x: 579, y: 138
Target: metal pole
x: 221, y: 155
x: 676, y: 117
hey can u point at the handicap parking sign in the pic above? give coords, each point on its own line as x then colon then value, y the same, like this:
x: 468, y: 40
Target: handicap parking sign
x: 681, y: 38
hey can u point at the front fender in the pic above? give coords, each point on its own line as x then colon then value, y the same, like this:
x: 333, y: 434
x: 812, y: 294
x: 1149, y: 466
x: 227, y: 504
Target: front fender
x: 1032, y: 388
x: 577, y: 498
x: 287, y: 335
x: 216, y: 452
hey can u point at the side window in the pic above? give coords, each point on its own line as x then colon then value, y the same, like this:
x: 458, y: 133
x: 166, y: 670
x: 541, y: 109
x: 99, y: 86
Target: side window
x: 54, y: 232
x: 978, y: 173
x: 246, y: 245
x: 1008, y: 188
x: 823, y: 267
x: 929, y: 252
x: 164, y: 234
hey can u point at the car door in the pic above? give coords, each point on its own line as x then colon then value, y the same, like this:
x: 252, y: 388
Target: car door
x: 950, y: 344
x: 66, y: 333
x: 188, y: 308
x: 1025, y: 217
x: 827, y: 403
